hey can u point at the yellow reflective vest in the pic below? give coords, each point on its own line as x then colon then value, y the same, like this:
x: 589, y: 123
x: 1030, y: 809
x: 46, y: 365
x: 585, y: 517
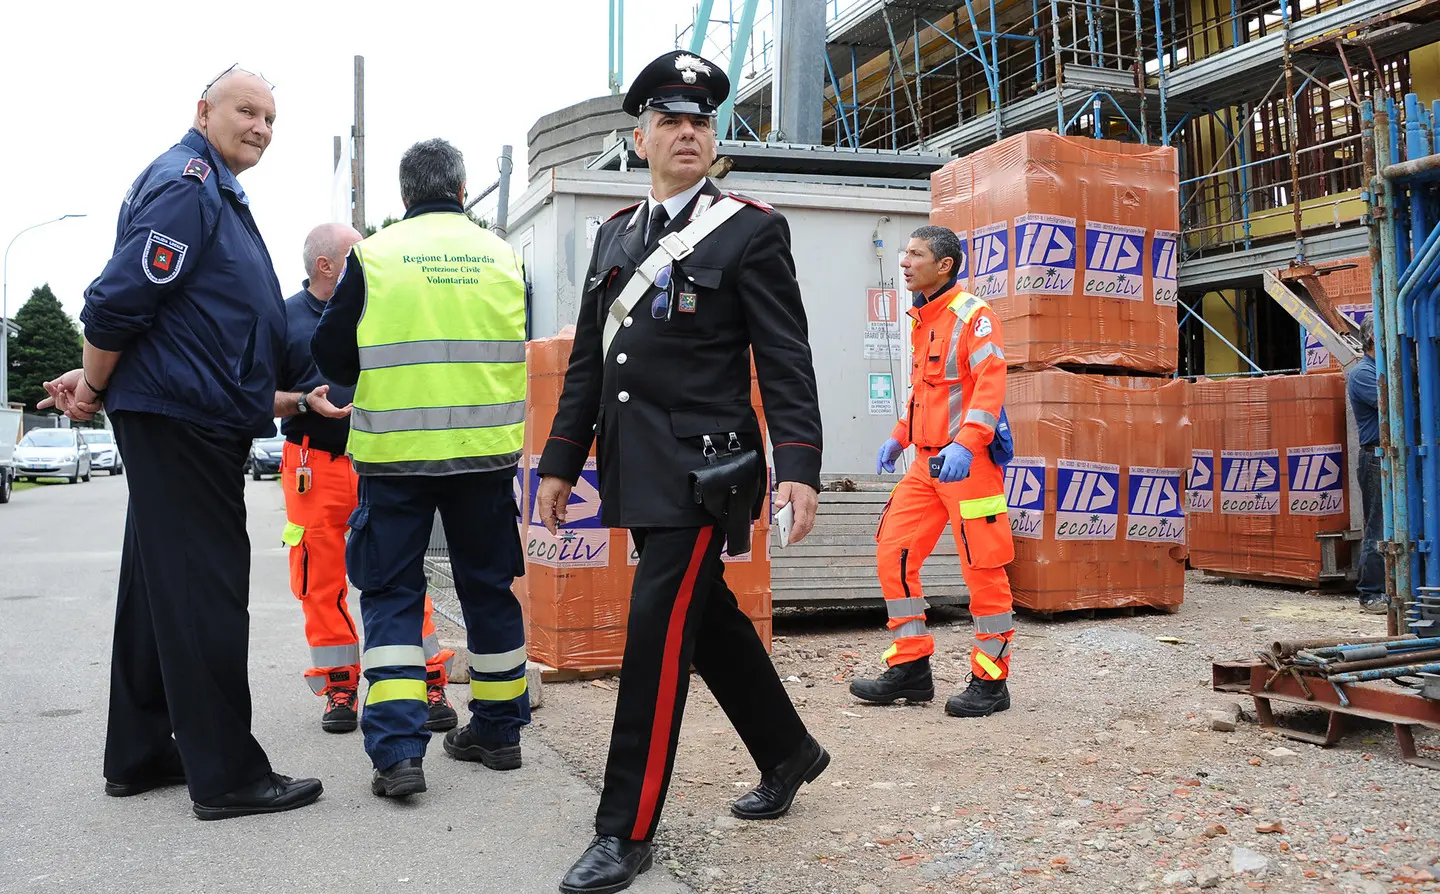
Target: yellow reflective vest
x: 442, y: 350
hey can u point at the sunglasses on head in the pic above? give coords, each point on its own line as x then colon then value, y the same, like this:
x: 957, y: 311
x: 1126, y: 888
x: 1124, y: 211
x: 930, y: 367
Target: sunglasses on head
x: 234, y: 66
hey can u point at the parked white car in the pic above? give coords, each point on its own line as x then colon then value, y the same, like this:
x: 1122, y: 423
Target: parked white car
x: 104, y: 454
x: 52, y: 453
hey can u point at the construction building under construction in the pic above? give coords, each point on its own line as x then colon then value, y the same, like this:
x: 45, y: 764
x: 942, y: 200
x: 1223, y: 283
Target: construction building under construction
x: 1261, y: 99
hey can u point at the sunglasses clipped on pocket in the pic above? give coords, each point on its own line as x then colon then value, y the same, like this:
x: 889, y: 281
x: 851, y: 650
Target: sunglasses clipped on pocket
x: 660, y: 307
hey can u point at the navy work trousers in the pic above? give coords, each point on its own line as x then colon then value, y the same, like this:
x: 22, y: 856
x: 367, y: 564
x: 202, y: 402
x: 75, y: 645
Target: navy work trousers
x: 385, y: 558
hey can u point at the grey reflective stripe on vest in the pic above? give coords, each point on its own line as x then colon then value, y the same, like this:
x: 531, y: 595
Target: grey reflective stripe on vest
x: 393, y: 656
x: 335, y: 656
x: 989, y: 350
x: 409, y: 353
x: 910, y: 628
x: 905, y: 607
x: 1003, y: 623
x: 499, y: 662
x: 995, y: 648
x: 952, y: 359
x: 981, y: 417
x: 957, y: 401
x: 380, y: 422
x: 440, y: 466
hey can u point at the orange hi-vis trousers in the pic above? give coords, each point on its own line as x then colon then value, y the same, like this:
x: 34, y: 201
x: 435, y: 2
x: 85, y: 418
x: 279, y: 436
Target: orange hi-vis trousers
x: 911, y: 525
x: 316, y: 523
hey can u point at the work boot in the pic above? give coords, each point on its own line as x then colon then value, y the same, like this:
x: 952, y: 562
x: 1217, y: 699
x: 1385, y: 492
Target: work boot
x: 442, y: 716
x: 400, y: 779
x: 980, y: 699
x: 1375, y: 605
x: 468, y: 745
x: 909, y: 680
x: 339, y: 716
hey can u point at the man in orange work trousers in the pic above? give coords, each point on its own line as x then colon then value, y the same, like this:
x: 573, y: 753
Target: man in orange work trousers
x: 321, y: 490
x: 956, y: 422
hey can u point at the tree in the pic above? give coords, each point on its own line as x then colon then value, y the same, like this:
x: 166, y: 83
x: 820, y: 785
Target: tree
x: 48, y: 344
x: 370, y: 228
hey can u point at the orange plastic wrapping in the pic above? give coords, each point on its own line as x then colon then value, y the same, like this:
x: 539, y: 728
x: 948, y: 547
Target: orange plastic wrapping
x: 576, y: 588
x: 1269, y: 472
x: 1073, y: 242
x: 1346, y: 292
x: 1095, y: 490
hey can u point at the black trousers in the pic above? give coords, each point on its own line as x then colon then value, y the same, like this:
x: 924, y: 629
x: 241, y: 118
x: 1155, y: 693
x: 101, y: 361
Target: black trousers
x: 1371, y: 572
x: 178, y: 672
x: 683, y: 613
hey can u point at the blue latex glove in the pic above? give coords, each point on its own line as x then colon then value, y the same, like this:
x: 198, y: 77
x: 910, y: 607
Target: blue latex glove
x: 885, y: 459
x: 957, y: 464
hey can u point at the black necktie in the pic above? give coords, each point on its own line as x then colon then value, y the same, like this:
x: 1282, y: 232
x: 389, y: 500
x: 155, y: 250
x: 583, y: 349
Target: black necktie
x: 658, y: 218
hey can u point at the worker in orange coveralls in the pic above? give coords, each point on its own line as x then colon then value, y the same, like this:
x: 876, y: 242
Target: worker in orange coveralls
x: 956, y: 422
x: 321, y: 490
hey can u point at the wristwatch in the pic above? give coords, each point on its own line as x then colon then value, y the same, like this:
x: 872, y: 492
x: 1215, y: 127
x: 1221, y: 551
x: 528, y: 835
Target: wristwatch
x: 300, y: 406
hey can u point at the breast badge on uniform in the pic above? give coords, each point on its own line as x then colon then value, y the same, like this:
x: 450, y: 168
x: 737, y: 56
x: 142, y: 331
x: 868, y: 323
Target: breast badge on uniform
x: 686, y: 304
x: 163, y: 257
x: 197, y: 168
x: 982, y: 327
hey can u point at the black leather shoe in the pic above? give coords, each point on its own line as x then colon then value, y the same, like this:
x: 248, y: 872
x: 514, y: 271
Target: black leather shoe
x: 909, y: 680
x: 610, y: 864
x: 777, y: 788
x: 980, y: 699
x: 467, y: 745
x: 141, y: 786
x: 271, y: 793
x: 399, y: 780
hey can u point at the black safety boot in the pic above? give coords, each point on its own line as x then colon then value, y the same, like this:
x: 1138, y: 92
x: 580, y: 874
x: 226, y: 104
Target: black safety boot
x: 465, y: 744
x: 400, y: 779
x: 980, y: 699
x: 909, y: 680
x: 339, y: 716
x: 442, y: 717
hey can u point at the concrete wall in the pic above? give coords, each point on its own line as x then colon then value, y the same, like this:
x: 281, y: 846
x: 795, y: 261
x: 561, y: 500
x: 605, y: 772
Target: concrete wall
x: 832, y: 230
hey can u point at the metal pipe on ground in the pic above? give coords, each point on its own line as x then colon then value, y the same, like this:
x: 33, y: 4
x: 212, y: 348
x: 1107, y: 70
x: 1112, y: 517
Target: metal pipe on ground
x: 1286, y: 648
x: 1386, y: 673
x: 1402, y: 659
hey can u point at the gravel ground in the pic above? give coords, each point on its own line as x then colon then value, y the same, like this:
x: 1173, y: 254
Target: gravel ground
x: 1104, y: 776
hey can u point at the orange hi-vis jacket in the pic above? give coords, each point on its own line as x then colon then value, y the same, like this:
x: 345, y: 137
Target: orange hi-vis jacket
x: 957, y: 379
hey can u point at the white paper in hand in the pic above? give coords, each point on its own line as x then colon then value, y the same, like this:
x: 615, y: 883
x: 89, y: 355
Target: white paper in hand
x: 783, y: 520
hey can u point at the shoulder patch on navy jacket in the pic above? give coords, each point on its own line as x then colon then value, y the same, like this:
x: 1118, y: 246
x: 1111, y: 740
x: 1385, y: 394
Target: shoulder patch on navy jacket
x: 763, y: 206
x: 197, y: 168
x: 627, y: 209
x: 163, y: 257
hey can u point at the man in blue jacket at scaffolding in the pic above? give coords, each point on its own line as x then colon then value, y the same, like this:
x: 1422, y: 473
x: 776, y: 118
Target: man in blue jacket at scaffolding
x: 1364, y: 392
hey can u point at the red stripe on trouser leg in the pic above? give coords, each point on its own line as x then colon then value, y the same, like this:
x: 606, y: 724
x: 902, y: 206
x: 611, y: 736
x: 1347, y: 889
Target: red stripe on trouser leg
x: 909, y: 529
x: 665, y: 692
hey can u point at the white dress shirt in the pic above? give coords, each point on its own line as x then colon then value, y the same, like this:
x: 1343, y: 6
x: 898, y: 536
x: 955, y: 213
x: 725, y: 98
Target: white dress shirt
x: 673, y: 205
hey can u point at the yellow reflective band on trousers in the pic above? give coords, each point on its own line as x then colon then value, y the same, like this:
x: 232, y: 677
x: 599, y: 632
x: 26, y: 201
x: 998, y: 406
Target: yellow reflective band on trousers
x: 497, y: 690
x: 391, y: 690
x: 990, y: 667
x: 442, y: 350
x: 984, y: 507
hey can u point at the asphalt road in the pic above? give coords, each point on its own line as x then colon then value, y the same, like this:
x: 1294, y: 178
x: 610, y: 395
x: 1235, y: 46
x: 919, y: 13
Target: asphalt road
x: 474, y: 830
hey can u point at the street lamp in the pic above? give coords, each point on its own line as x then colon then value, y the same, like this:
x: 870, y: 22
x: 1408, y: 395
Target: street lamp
x: 5, y: 309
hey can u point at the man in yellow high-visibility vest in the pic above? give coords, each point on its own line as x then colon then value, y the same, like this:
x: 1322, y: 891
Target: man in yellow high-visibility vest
x: 428, y: 323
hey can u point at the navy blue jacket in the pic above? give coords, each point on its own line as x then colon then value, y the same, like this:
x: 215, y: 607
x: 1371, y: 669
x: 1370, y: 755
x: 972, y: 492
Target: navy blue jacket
x: 299, y: 373
x: 190, y: 298
x: 1364, y: 392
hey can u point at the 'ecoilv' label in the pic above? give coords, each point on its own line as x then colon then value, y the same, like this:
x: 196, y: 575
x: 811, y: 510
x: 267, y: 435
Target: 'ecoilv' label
x: 1200, y: 485
x: 1025, y: 496
x: 1250, y: 482
x: 1164, y: 259
x: 1156, y: 514
x: 990, y: 276
x: 1317, y: 479
x: 1045, y: 262
x: 1087, y: 500
x: 1114, y: 261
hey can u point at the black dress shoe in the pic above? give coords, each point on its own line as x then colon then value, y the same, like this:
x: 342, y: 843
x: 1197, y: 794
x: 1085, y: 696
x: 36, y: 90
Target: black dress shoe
x: 777, y: 788
x: 399, y: 780
x: 465, y: 744
x: 141, y: 786
x: 610, y: 864
x: 271, y: 793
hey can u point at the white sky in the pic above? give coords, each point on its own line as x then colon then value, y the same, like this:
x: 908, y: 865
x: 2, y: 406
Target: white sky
x: 92, y: 97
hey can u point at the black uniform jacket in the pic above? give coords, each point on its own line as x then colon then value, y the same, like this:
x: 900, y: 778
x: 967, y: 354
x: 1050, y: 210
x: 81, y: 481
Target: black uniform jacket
x: 666, y: 383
